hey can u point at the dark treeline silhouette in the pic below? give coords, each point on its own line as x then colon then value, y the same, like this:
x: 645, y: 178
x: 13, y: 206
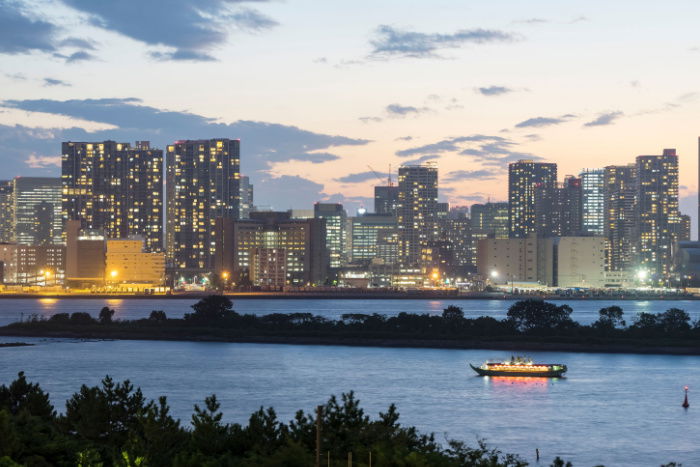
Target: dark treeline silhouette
x: 114, y: 424
x: 530, y: 320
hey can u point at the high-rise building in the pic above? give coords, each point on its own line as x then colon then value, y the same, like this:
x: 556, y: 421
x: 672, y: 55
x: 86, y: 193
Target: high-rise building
x: 386, y: 200
x: 37, y: 210
x: 203, y: 184
x: 456, y: 230
x: 657, y: 211
x: 593, y: 182
x: 525, y: 177
x: 620, y: 217
x: 684, y: 228
x: 7, y: 229
x: 336, y: 234
x: 115, y: 189
x: 570, y: 207
x: 246, y: 197
x: 416, y: 210
x: 373, y: 238
x: 488, y: 220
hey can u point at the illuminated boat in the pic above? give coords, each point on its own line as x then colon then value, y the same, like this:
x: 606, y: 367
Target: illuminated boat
x: 518, y: 366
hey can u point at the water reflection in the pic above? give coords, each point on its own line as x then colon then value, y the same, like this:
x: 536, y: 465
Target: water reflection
x: 519, y: 383
x: 48, y: 302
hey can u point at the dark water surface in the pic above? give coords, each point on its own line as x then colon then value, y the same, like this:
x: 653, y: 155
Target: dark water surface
x: 585, y: 311
x: 620, y: 410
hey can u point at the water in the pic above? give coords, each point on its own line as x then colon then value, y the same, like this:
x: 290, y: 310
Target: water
x: 616, y: 409
x: 585, y: 311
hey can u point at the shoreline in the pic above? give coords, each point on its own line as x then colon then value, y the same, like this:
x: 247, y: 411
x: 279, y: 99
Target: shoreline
x: 503, y: 345
x: 343, y: 296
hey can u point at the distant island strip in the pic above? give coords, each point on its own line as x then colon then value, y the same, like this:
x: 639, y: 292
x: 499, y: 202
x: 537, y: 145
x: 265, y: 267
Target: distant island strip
x: 530, y: 325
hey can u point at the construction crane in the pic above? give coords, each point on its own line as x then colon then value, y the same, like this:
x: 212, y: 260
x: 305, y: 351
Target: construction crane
x: 388, y: 178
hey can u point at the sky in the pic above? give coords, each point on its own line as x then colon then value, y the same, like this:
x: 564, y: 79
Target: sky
x: 323, y: 95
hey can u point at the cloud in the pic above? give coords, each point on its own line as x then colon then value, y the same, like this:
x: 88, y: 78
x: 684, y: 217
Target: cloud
x: 78, y: 43
x: 263, y: 144
x: 422, y: 159
x: 396, y: 43
x: 479, y: 174
x: 397, y: 110
x: 539, y: 122
x: 16, y: 76
x: 182, y: 55
x: 370, y: 119
x: 253, y: 20
x: 404, y: 138
x: 55, y: 82
x: 191, y: 29
x: 494, y: 90
x: 446, y: 145
x: 361, y: 177
x: 75, y: 57
x: 531, y: 21
x: 604, y: 119
x: 20, y: 33
x: 579, y: 19
x: 42, y: 162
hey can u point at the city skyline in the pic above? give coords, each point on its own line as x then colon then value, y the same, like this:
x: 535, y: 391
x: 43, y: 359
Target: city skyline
x: 456, y: 84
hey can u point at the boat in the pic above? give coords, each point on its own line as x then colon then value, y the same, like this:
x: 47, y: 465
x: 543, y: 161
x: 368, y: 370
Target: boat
x: 520, y: 366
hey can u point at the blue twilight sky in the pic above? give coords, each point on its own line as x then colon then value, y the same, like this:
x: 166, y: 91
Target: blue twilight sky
x: 320, y: 91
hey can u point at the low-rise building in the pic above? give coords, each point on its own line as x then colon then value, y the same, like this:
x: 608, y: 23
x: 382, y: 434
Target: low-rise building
x: 552, y: 261
x: 127, y: 263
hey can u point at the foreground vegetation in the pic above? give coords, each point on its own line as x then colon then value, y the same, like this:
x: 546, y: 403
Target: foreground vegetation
x: 114, y: 424
x: 530, y: 324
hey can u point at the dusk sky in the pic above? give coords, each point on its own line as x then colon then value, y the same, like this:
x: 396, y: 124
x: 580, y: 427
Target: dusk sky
x: 317, y: 91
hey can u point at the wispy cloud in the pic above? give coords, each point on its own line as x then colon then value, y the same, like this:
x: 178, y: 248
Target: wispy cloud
x: 398, y: 110
x: 390, y: 42
x: 360, y: 177
x: 493, y: 90
x: 539, y: 122
x: 78, y: 43
x: 370, y: 119
x: 531, y: 21
x: 603, y: 119
x: 422, y: 159
x: 55, y: 82
x: 478, y: 174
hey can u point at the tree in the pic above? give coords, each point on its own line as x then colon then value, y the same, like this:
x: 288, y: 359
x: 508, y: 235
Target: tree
x: 212, y: 309
x: 105, y: 316
x: 453, y: 313
x: 674, y: 320
x: 157, y: 315
x: 534, y: 314
x: 609, y: 318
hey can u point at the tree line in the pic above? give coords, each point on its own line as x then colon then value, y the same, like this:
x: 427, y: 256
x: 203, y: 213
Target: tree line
x: 528, y: 319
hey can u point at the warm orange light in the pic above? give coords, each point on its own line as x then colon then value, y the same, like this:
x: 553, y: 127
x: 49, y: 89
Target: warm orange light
x: 224, y: 275
x: 114, y: 273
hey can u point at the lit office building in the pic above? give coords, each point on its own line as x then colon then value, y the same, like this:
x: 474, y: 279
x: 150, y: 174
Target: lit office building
x: 619, y: 208
x: 203, y: 184
x: 37, y: 210
x: 270, y: 249
x: 657, y: 211
x: 336, y: 234
x: 416, y: 210
x: 684, y: 228
x: 373, y: 238
x: 6, y: 211
x: 524, y: 178
x: 456, y: 231
x: 593, y: 214
x: 115, y: 189
x: 246, y: 197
